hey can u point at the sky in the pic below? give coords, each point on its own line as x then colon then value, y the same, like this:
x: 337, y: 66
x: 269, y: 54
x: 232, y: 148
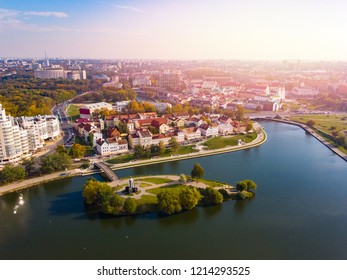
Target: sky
x: 175, y: 29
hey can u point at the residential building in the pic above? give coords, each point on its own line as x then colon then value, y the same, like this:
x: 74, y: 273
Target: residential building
x: 111, y: 146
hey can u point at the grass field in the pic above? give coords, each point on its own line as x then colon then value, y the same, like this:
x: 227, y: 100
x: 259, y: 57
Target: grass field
x: 223, y: 142
x: 176, y: 188
x: 325, y: 123
x: 156, y: 180
x: 328, y: 124
x: 73, y: 112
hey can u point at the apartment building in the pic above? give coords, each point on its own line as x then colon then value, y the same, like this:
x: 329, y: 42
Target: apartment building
x: 23, y: 135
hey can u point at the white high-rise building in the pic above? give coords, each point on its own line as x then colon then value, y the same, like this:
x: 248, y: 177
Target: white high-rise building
x: 20, y: 136
x: 13, y: 144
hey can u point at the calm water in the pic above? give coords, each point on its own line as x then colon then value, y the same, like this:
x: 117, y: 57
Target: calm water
x: 299, y: 212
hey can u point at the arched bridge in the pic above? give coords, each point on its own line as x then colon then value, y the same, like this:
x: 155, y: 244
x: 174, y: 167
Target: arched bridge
x: 108, y: 171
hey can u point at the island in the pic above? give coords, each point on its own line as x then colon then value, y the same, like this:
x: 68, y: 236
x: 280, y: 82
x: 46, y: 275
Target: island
x: 164, y: 194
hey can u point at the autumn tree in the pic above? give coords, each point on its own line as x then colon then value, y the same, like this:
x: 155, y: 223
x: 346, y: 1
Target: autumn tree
x: 77, y: 151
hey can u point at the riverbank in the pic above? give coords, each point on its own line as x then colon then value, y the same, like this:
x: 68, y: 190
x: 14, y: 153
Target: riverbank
x: 315, y: 135
x: 16, y: 186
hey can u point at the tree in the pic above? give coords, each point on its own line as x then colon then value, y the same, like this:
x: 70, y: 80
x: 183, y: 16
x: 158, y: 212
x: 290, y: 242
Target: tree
x: 183, y: 179
x: 90, y: 191
x: 77, y: 150
x: 122, y: 127
x: 189, y: 198
x: 251, y: 185
x: 130, y: 205
x: 310, y: 123
x: 112, y: 204
x: 11, y: 173
x: 138, y: 151
x: 168, y: 202
x: 240, y: 112
x: 241, y: 186
x: 29, y: 165
x: 149, y: 107
x: 90, y: 139
x: 197, y: 171
x: 161, y: 148
x: 61, y: 149
x: 147, y: 152
x: 174, y: 144
x: 54, y: 162
x: 211, y: 196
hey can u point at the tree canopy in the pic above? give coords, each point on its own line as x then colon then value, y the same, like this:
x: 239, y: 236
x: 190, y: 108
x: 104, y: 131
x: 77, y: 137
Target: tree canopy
x: 169, y: 202
x: 197, y: 171
x: 189, y: 198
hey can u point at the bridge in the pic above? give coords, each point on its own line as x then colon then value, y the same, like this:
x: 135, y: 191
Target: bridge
x: 108, y: 171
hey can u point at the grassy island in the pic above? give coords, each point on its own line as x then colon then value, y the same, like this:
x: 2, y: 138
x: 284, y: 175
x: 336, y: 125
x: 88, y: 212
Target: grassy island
x: 166, y: 194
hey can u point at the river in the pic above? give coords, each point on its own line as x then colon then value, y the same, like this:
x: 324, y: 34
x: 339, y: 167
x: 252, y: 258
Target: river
x: 299, y: 211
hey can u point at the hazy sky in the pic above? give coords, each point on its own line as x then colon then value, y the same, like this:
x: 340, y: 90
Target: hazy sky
x: 175, y: 29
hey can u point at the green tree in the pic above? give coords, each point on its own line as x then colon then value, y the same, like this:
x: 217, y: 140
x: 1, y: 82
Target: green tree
x: 197, y: 171
x: 147, y: 152
x: 138, y: 151
x: 54, y: 162
x: 241, y: 186
x: 77, y: 150
x: 122, y: 127
x: 169, y: 202
x: 189, y: 198
x: 91, y: 191
x: 90, y: 139
x: 130, y: 205
x: 211, y: 196
x: 112, y: 205
x: 61, y: 149
x: 161, y: 148
x: 29, y: 165
x: 183, y: 179
x: 240, y: 113
x: 251, y: 185
x: 174, y: 144
x: 11, y: 173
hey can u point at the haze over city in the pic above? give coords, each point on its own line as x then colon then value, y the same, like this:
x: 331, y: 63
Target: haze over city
x: 194, y: 29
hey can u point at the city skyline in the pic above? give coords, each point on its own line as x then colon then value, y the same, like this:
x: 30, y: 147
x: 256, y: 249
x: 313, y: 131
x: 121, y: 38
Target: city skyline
x: 245, y: 30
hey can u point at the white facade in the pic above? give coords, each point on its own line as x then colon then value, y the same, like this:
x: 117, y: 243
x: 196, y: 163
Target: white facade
x: 59, y: 73
x: 120, y: 106
x: 13, y: 139
x: 111, y: 146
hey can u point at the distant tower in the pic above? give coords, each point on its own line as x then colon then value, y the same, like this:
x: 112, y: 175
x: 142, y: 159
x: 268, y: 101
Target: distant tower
x: 46, y: 60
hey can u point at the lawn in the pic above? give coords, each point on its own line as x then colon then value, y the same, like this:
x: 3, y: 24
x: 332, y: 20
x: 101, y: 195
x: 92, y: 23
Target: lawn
x: 176, y: 188
x: 326, y: 124
x: 156, y: 180
x: 121, y: 159
x: 212, y: 183
x: 222, y: 142
x: 73, y: 112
